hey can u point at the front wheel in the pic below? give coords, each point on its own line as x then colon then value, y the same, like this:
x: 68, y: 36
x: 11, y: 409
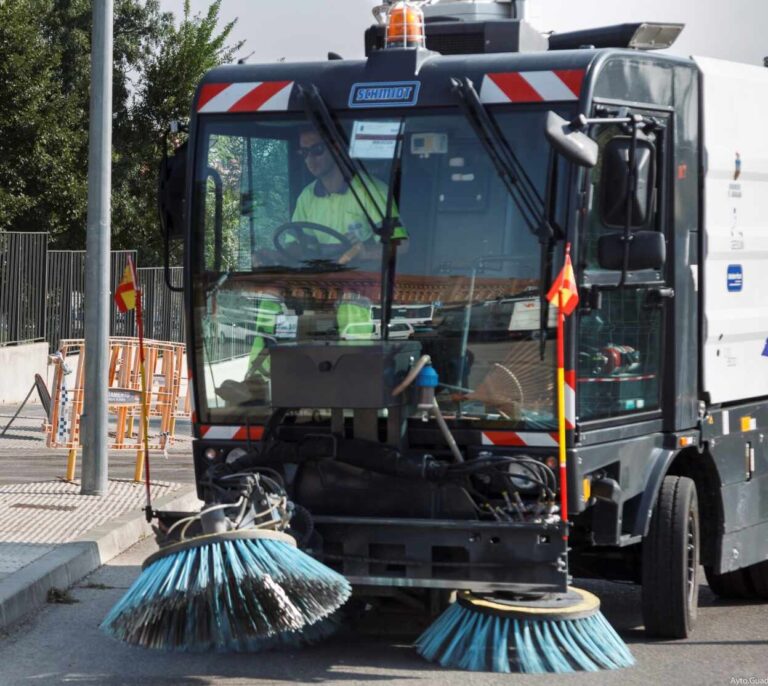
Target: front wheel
x: 670, y: 562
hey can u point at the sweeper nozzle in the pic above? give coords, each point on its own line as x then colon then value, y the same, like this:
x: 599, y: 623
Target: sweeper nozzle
x: 562, y: 632
x: 241, y: 584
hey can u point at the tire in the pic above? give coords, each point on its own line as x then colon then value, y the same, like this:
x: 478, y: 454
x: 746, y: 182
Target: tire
x: 670, y: 561
x: 731, y: 585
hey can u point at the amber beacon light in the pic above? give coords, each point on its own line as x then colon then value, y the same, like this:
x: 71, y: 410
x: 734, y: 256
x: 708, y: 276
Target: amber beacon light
x: 405, y: 26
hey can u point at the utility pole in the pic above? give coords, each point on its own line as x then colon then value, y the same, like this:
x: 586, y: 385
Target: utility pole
x: 94, y: 420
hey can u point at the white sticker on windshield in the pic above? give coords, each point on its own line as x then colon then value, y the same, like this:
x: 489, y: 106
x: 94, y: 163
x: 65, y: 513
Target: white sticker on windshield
x: 286, y: 326
x: 374, y: 140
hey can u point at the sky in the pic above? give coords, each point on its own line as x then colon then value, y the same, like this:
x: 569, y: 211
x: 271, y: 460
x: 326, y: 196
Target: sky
x: 299, y: 30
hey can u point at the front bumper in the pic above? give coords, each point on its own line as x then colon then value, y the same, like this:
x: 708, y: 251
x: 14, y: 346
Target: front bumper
x: 449, y: 554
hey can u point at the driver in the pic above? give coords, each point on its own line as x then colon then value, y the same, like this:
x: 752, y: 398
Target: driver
x: 330, y: 202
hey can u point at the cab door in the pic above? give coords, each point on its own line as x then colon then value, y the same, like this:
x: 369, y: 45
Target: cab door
x: 621, y: 329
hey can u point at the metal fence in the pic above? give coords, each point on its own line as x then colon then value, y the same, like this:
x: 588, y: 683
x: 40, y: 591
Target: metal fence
x: 42, y: 294
x: 65, y: 301
x: 23, y: 259
x: 163, y: 308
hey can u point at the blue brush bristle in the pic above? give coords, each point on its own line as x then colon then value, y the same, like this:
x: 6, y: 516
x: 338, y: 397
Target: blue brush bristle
x: 228, y: 595
x: 462, y: 638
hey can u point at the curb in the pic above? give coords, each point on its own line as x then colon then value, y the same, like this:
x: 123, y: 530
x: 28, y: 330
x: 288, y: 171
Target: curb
x: 27, y: 589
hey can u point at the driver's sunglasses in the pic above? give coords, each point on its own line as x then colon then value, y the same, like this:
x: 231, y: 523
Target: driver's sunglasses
x: 313, y: 150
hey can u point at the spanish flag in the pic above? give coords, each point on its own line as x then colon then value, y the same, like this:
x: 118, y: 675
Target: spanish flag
x: 125, y: 295
x: 565, y: 285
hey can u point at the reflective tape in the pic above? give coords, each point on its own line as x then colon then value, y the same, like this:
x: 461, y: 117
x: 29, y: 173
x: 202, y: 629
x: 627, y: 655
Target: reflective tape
x: 532, y: 86
x: 244, y: 97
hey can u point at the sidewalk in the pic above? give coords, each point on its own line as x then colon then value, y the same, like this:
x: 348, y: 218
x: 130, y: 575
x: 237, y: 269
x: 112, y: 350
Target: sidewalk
x: 50, y: 535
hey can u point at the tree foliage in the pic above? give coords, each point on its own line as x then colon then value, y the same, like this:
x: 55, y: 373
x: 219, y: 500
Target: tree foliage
x: 44, y: 105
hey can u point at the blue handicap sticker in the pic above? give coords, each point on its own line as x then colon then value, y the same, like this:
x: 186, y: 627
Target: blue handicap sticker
x: 765, y: 349
x: 735, y: 278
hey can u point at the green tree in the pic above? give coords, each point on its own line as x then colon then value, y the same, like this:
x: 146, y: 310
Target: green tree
x: 169, y: 77
x: 44, y: 106
x: 41, y: 184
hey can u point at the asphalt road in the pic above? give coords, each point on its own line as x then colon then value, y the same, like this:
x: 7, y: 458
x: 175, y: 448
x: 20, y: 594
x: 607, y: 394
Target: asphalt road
x: 63, y: 645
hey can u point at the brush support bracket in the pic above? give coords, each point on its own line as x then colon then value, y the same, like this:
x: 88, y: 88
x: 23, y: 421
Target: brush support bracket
x: 198, y: 541
x: 574, y: 604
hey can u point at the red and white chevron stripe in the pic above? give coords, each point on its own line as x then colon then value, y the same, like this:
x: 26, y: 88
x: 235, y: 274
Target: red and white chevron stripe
x: 514, y: 438
x: 532, y: 86
x: 231, y: 433
x: 244, y: 97
x: 538, y: 439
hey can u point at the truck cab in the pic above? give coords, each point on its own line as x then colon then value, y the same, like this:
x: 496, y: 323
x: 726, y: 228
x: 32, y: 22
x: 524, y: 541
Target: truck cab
x: 469, y: 163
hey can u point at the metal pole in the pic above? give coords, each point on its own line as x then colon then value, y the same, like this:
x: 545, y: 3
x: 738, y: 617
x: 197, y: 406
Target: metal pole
x: 97, y: 288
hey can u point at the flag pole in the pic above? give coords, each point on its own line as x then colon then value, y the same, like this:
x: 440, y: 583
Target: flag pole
x: 561, y: 411
x: 561, y: 403
x: 142, y: 463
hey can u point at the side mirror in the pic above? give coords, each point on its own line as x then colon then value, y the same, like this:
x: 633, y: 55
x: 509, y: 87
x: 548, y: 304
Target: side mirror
x: 574, y: 145
x: 171, y: 193
x: 647, y: 250
x: 615, y: 181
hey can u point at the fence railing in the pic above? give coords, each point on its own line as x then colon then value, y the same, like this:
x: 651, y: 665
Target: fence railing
x: 23, y: 260
x: 65, y: 297
x: 163, y: 308
x: 42, y: 294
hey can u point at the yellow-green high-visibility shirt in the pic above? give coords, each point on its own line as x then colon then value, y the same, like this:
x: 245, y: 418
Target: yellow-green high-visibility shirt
x: 342, y: 212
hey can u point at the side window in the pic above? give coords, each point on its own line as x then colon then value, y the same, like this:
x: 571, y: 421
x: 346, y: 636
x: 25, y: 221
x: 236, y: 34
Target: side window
x: 266, y: 197
x: 609, y: 187
x: 246, y: 192
x: 620, y: 345
x: 223, y: 179
x: 619, y: 366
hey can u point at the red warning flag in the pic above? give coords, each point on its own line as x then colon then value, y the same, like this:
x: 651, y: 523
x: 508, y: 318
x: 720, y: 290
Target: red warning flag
x: 125, y: 295
x: 565, y: 284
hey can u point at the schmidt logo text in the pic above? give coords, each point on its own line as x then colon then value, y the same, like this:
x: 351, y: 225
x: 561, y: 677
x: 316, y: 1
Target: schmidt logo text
x: 402, y: 93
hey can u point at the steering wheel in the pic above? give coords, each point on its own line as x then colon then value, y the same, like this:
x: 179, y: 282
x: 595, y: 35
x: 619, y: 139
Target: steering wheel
x: 298, y: 240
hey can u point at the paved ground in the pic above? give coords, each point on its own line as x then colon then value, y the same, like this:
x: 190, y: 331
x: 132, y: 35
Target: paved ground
x: 24, y: 457
x: 62, y: 644
x: 50, y: 535
x: 38, y: 516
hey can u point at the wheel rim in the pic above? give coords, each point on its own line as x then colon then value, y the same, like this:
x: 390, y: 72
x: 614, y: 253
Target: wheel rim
x: 692, y: 562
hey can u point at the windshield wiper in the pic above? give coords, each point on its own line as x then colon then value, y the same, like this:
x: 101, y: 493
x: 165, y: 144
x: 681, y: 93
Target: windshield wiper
x: 511, y: 172
x: 317, y: 112
x: 537, y: 212
x: 389, y: 247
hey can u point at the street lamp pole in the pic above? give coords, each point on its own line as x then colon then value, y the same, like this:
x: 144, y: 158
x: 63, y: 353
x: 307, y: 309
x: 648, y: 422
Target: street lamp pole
x: 94, y: 419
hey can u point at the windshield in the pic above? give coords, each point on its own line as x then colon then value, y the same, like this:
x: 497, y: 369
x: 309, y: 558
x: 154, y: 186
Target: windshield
x: 299, y: 256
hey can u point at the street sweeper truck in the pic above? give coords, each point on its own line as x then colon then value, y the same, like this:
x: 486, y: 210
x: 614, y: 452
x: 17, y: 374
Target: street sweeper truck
x: 471, y: 167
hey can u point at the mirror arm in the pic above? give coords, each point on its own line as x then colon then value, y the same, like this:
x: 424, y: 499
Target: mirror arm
x: 636, y: 122
x: 174, y: 128
x: 167, y: 266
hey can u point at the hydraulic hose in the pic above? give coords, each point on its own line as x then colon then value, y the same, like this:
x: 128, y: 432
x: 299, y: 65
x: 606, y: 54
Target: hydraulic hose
x: 447, y: 435
x: 412, y: 374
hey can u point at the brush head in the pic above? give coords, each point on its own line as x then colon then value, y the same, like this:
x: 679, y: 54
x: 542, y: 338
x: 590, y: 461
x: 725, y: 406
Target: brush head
x: 222, y: 591
x: 555, y: 633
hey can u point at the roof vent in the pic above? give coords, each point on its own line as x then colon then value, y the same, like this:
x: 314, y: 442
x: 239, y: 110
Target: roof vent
x: 469, y: 10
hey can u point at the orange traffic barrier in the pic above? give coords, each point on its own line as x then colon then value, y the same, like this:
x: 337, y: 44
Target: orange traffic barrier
x: 164, y: 366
